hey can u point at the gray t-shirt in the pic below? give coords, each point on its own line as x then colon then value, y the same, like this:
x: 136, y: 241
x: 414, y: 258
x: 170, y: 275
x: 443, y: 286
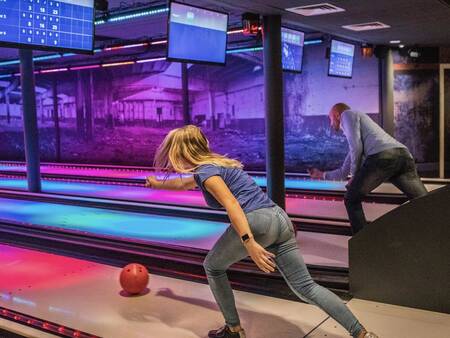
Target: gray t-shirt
x: 242, y: 186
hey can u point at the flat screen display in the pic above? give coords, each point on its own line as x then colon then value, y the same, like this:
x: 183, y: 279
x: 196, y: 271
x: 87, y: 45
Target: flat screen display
x: 48, y: 24
x: 196, y: 34
x: 341, y: 59
x: 292, y: 43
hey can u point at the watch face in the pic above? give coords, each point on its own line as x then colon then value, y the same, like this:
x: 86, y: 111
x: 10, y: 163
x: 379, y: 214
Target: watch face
x: 245, y: 237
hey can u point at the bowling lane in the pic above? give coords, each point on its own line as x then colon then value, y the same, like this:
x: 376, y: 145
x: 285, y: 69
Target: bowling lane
x: 79, y: 171
x: 319, y: 249
x: 292, y: 183
x: 187, y: 232
x: 297, y: 207
x: 86, y: 296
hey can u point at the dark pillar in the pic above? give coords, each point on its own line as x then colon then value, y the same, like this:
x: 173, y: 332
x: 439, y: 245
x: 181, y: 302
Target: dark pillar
x: 88, y: 106
x: 386, y: 70
x: 56, y: 121
x: 8, y: 109
x: 79, y: 102
x: 185, y: 87
x: 273, y: 84
x: 30, y: 126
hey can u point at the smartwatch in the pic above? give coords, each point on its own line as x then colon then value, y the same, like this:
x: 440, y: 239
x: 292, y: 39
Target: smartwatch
x: 245, y: 238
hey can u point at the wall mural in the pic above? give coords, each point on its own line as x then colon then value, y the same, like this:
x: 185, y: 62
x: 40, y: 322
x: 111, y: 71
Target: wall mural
x: 119, y: 115
x: 416, y: 110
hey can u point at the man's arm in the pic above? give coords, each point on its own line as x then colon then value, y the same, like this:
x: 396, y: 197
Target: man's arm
x: 351, y: 126
x: 341, y: 173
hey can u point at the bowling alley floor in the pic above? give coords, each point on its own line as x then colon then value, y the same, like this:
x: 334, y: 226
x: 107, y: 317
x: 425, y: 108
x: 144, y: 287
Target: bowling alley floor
x: 86, y: 296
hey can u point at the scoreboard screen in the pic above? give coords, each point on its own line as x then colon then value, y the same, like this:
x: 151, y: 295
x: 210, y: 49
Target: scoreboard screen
x: 292, y: 43
x: 341, y: 59
x: 61, y: 25
x: 196, y: 35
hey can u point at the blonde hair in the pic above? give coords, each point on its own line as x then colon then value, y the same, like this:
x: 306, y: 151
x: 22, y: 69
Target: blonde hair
x: 185, y: 149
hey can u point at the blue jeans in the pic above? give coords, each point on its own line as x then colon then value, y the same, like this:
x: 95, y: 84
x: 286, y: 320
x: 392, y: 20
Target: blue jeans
x: 394, y: 165
x: 273, y: 230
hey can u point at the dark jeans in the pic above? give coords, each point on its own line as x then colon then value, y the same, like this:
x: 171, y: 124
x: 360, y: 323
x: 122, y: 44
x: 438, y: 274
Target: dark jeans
x: 394, y: 165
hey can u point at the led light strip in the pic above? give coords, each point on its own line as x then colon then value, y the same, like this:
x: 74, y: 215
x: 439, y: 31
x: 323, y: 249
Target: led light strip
x: 129, y: 16
x: 43, y: 325
x: 102, y: 65
x: 136, y: 45
x: 243, y: 50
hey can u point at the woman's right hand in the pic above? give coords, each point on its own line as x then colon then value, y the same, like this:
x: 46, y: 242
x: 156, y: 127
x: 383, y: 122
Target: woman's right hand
x: 151, y: 182
x: 262, y: 257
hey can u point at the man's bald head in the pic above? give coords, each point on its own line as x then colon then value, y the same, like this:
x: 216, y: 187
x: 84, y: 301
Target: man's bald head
x: 335, y: 115
x: 340, y: 107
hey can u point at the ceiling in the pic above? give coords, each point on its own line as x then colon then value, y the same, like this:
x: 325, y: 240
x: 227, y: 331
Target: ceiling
x: 422, y: 22
x: 414, y: 22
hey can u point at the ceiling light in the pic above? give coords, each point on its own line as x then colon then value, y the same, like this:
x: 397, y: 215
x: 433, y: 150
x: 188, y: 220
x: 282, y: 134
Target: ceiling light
x: 367, y: 26
x: 394, y: 41
x: 318, y: 9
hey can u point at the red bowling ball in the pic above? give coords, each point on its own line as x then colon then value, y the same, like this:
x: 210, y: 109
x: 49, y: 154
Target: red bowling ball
x: 134, y: 278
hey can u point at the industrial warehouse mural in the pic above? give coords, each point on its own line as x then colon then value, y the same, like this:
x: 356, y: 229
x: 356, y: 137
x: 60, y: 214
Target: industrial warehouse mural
x: 416, y: 109
x: 119, y: 115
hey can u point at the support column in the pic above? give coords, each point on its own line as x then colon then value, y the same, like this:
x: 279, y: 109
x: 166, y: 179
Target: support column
x: 273, y: 85
x: 8, y: 107
x: 56, y: 120
x: 30, y: 127
x: 212, y: 107
x: 386, y: 70
x: 185, y: 87
x: 79, y: 105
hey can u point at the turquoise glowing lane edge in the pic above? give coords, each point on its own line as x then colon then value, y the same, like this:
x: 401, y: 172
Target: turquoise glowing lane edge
x: 57, y: 186
x: 292, y: 183
x: 108, y: 222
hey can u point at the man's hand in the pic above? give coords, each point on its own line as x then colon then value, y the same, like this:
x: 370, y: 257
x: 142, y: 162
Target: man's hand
x: 316, y: 173
x: 262, y: 257
x: 151, y: 182
x: 349, y: 182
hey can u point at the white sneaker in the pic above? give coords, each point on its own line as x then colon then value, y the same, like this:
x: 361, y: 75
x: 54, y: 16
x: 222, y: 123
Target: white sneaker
x: 370, y: 335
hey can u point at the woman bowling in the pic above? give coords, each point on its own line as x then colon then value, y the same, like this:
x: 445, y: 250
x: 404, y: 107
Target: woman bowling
x: 259, y: 228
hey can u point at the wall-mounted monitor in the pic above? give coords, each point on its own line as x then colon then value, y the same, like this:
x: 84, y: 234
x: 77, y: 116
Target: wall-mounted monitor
x: 60, y: 25
x: 196, y: 35
x: 342, y: 55
x: 292, y: 42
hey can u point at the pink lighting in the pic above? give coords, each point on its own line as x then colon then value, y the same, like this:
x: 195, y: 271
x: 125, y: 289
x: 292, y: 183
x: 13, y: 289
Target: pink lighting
x: 85, y: 67
x: 161, y: 42
x: 54, y: 70
x: 126, y: 46
x: 235, y: 31
x: 118, y: 64
x: 151, y: 60
x: 44, y: 272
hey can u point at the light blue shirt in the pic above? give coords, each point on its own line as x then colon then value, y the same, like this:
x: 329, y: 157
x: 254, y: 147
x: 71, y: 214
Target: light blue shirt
x: 365, y: 138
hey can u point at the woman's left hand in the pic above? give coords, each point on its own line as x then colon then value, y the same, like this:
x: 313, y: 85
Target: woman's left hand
x: 151, y: 182
x: 262, y: 257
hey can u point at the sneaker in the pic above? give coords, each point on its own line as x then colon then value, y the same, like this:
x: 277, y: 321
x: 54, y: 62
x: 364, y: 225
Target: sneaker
x: 225, y: 332
x: 370, y: 335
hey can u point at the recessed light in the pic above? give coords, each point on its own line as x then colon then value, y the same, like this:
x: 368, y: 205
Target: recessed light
x: 318, y: 9
x: 367, y: 26
x: 402, y: 46
x: 394, y: 41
